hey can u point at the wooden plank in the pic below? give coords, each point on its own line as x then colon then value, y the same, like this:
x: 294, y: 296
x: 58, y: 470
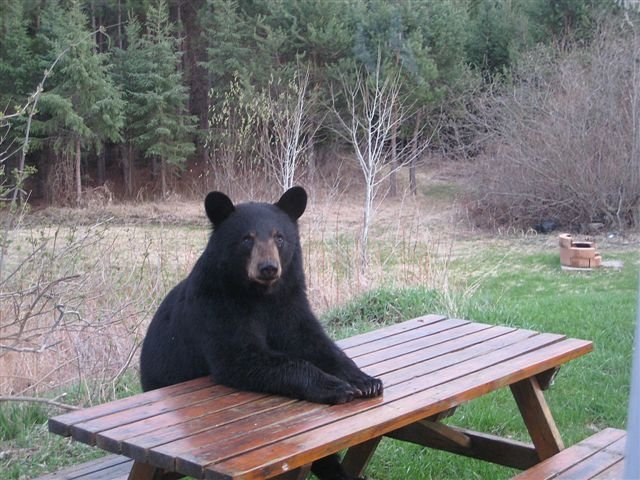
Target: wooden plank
x: 357, y: 458
x: 442, y: 340
x: 537, y: 417
x: 449, y: 434
x: 613, y: 472
x: 447, y: 325
x: 220, y: 427
x: 459, y: 351
x: 223, y: 440
x: 183, y: 422
x: 114, y: 465
x: 215, y: 396
x: 399, y: 367
x: 482, y: 446
x: 573, y: 455
x: 479, y: 379
x: 190, y: 459
x: 61, y: 423
x: 418, y: 322
x: 553, y: 466
x: 590, y: 466
x: 618, y: 447
x: 607, y: 438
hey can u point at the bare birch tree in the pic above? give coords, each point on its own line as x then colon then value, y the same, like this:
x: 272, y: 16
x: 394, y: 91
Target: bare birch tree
x: 286, y: 123
x: 374, y: 110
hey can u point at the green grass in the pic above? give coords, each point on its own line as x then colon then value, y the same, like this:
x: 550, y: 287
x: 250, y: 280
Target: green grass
x: 441, y: 191
x: 16, y: 418
x: 529, y: 291
x: 27, y: 449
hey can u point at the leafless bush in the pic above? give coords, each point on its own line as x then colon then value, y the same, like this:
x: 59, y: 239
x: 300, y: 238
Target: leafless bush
x: 564, y: 140
x: 235, y: 165
x: 72, y: 304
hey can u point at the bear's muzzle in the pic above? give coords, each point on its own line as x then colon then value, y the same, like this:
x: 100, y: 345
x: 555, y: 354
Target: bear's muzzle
x: 264, y: 263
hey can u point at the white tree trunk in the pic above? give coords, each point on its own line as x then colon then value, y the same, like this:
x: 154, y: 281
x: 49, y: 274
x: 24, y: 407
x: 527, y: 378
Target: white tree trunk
x: 286, y: 121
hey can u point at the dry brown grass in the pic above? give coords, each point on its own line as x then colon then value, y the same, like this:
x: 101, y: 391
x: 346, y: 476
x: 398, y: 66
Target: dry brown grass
x: 74, y: 310
x: 87, y: 282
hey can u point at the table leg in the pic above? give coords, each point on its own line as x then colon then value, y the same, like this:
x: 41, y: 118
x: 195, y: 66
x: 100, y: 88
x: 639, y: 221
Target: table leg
x: 357, y: 457
x: 537, y: 417
x: 144, y: 471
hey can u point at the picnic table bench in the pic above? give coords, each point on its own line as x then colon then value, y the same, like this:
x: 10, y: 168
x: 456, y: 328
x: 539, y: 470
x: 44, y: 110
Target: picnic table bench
x: 429, y: 366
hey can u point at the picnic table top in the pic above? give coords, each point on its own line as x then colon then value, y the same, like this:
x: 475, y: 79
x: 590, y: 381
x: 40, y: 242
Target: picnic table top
x: 428, y: 365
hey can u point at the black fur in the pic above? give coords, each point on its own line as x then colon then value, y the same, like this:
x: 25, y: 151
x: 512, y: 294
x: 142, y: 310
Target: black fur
x: 247, y: 323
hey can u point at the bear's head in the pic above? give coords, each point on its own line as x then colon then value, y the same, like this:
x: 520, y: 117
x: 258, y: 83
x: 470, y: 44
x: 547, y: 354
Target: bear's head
x: 256, y: 244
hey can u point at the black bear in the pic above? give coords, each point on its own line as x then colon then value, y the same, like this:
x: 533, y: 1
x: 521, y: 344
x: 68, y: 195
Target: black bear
x: 243, y: 317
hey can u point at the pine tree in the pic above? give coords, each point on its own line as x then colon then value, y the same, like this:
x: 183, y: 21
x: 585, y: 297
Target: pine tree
x: 421, y: 43
x: 17, y: 66
x: 129, y: 73
x: 157, y: 120
x: 83, y: 108
x: 17, y: 82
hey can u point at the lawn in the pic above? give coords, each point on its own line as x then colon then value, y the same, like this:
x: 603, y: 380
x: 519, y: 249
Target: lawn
x: 530, y: 291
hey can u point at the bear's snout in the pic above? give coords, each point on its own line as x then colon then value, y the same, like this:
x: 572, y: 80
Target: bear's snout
x: 264, y: 263
x: 269, y: 270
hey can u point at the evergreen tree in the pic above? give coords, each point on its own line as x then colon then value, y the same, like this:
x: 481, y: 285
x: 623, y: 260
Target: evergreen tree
x: 230, y: 40
x: 83, y: 108
x: 17, y: 66
x: 17, y: 82
x: 129, y: 73
x: 565, y: 21
x: 493, y: 41
x: 157, y: 120
x: 422, y: 44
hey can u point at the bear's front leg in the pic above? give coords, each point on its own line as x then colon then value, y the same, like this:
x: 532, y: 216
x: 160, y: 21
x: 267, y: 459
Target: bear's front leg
x: 260, y: 369
x: 327, y: 356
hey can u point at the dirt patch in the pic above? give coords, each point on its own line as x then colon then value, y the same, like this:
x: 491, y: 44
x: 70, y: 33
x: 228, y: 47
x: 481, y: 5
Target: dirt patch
x: 172, y: 212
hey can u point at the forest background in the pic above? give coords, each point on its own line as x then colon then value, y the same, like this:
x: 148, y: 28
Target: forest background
x: 142, y: 99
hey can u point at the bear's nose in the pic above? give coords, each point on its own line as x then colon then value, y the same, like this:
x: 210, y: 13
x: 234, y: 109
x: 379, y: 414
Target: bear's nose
x: 268, y: 270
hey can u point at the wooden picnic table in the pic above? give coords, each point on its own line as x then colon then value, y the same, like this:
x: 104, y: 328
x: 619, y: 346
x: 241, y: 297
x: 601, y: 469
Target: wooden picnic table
x: 429, y: 366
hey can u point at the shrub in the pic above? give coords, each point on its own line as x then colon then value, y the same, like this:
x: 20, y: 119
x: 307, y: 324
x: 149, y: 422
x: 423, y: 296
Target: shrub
x: 564, y: 142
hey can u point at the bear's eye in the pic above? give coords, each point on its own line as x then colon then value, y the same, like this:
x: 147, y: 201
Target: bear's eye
x: 247, y: 240
x: 279, y: 239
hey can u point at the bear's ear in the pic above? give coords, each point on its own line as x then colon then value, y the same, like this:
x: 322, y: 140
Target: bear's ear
x: 293, y: 202
x: 218, y: 207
